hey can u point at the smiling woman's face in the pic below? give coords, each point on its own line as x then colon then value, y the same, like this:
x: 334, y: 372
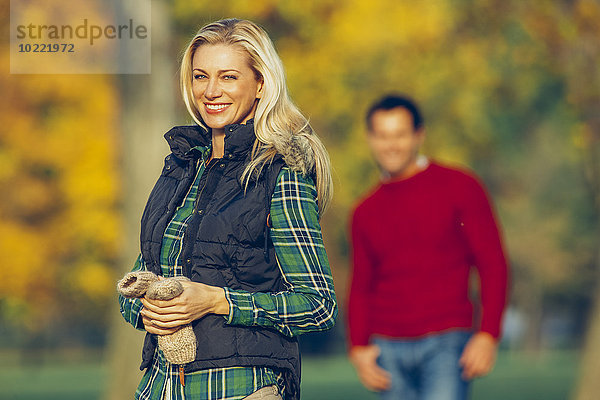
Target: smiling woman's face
x: 225, y: 88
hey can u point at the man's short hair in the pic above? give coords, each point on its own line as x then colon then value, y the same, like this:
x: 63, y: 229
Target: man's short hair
x: 390, y: 102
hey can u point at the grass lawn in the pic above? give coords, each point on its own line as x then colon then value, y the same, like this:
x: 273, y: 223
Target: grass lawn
x: 516, y: 377
x: 64, y: 380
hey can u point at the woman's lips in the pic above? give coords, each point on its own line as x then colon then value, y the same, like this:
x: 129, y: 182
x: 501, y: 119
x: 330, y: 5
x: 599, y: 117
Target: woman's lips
x: 216, y: 108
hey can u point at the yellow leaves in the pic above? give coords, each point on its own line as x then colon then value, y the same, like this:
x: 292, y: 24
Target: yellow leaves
x: 588, y: 11
x: 361, y: 26
x: 475, y: 67
x: 96, y: 231
x: 59, y: 185
x: 361, y: 167
x: 85, y: 178
x: 94, y: 280
x: 365, y: 42
x: 251, y: 9
x: 583, y: 136
x: 29, y: 198
x: 534, y: 242
x: 27, y: 271
x: 212, y: 11
x: 8, y: 164
x: 58, y: 159
x: 452, y: 153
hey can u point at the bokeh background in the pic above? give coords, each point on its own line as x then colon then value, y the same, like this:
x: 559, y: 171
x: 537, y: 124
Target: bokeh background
x: 509, y: 88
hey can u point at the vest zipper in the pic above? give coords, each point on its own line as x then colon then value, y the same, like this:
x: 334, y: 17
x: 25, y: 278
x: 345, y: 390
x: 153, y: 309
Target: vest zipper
x: 206, y: 176
x: 207, y: 170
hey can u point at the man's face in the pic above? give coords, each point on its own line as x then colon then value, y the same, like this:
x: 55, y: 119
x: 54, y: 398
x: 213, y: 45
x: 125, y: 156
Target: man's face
x: 394, y: 142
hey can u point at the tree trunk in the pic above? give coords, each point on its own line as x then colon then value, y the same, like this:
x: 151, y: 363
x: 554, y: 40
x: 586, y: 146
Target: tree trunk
x: 533, y: 307
x: 146, y: 113
x: 588, y: 387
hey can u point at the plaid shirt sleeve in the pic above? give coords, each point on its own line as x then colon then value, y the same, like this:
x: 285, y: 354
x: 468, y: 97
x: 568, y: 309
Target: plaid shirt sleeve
x: 309, y: 303
x: 130, y: 308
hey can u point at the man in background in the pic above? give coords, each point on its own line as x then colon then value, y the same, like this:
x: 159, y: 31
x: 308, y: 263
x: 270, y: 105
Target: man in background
x: 415, y: 238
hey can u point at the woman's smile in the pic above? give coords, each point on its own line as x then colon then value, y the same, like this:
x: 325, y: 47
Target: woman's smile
x: 212, y: 108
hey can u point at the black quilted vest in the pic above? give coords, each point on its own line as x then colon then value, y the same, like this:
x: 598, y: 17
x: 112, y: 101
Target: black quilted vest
x: 226, y: 244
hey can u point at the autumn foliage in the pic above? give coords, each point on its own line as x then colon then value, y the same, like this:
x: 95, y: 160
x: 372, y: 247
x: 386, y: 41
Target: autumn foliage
x: 59, y: 181
x: 509, y: 88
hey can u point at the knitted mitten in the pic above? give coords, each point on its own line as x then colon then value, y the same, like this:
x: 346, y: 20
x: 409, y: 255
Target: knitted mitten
x: 135, y: 284
x: 178, y: 347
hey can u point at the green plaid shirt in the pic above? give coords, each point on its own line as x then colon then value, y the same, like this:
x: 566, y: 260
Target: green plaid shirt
x: 308, y: 304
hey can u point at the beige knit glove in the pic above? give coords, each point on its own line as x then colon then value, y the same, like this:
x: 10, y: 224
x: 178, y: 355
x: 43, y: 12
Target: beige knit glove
x: 178, y: 347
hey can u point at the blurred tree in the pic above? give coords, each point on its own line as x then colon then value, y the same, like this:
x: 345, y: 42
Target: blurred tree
x: 571, y: 32
x: 59, y: 190
x: 146, y: 114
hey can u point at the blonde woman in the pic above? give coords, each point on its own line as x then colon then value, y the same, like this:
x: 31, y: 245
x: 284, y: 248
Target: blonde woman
x: 236, y: 209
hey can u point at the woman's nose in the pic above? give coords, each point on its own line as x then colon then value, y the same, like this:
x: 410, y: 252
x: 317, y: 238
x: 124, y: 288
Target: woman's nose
x: 213, y: 89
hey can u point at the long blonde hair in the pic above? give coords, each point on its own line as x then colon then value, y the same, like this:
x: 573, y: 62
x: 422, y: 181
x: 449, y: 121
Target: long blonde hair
x: 277, y: 120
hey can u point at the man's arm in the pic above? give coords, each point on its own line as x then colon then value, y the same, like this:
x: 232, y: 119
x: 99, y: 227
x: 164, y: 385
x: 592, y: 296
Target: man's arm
x: 362, y: 354
x: 484, y: 239
x: 361, y: 284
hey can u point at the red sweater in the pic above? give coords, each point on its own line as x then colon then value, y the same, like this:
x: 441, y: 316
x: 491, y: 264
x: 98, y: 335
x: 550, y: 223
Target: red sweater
x: 413, y: 243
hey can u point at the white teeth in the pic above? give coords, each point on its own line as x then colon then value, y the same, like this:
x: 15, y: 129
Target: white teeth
x: 216, y: 106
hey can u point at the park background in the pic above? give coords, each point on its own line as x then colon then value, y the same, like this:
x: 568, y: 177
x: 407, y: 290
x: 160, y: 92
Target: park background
x: 509, y: 88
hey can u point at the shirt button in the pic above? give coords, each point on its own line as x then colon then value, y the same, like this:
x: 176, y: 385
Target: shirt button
x: 200, y: 212
x: 230, y: 155
x: 222, y: 165
x: 189, y: 261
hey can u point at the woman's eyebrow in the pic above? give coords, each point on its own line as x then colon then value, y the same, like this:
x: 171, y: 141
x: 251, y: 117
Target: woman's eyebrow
x: 219, y: 71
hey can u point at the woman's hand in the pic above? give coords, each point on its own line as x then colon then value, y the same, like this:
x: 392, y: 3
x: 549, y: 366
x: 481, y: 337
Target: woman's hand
x: 163, y: 317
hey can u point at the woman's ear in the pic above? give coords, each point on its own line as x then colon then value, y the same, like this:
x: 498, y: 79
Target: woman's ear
x: 261, y: 87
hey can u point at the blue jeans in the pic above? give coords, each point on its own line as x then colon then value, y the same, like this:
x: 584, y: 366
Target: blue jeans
x: 426, y: 368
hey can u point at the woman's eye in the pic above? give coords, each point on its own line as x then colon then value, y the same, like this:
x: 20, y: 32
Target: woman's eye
x: 230, y: 77
x: 199, y: 76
